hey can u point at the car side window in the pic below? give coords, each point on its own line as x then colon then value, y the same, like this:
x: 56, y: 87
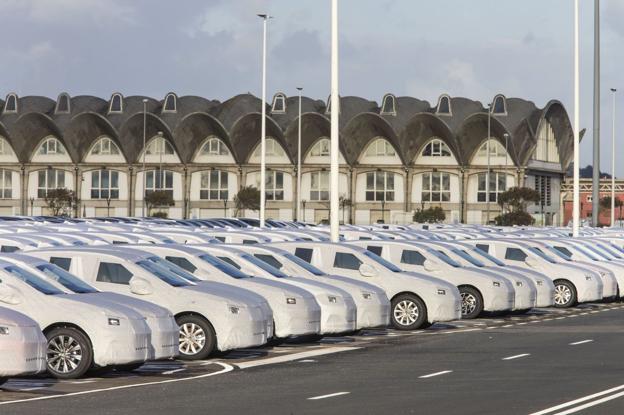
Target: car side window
x: 305, y: 254
x: 515, y: 254
x: 60, y: 262
x: 485, y: 248
x: 269, y: 259
x: 113, y: 273
x: 9, y: 248
x: 563, y: 250
x: 412, y: 257
x: 220, y: 238
x: 183, y: 263
x: 375, y: 249
x: 346, y: 260
x: 229, y: 261
x: 249, y: 242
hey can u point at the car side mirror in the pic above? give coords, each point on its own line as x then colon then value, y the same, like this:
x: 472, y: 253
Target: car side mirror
x: 367, y: 270
x: 10, y: 295
x: 141, y: 286
x: 431, y: 266
x: 532, y: 262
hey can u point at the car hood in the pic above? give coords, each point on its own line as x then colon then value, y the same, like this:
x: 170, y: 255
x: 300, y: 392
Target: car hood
x: 144, y: 308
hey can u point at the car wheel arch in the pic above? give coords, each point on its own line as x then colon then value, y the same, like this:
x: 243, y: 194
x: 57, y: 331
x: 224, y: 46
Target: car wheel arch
x: 62, y: 325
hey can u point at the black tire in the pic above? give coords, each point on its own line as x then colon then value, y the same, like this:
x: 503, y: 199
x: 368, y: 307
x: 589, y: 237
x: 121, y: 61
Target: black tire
x: 197, y: 337
x: 565, y: 294
x: 471, y: 302
x: 3, y: 381
x: 408, y: 312
x: 69, y: 353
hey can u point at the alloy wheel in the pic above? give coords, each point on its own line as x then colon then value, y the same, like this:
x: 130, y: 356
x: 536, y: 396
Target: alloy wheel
x: 406, y: 312
x: 192, y: 338
x: 64, y: 354
x: 563, y: 294
x: 468, y: 303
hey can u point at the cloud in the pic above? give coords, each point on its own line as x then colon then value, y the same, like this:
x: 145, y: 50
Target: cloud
x: 74, y: 11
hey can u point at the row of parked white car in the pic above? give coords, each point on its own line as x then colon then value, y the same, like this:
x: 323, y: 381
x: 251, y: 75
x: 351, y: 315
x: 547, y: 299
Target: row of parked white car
x: 78, y: 296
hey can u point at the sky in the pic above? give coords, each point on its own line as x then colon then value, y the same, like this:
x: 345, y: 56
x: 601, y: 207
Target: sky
x: 212, y: 48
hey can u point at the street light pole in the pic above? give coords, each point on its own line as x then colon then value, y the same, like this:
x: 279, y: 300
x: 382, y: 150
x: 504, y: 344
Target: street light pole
x: 613, y: 90
x: 265, y: 18
x: 487, y: 179
x: 335, y: 111
x: 299, y: 159
x: 144, y: 151
x: 596, y: 163
x: 576, y: 191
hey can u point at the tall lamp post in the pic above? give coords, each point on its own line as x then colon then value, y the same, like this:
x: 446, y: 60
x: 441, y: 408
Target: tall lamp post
x: 265, y: 18
x: 576, y: 199
x: 335, y: 112
x: 144, y: 151
x: 596, y: 163
x: 299, y: 159
x: 613, y: 90
x: 487, y: 178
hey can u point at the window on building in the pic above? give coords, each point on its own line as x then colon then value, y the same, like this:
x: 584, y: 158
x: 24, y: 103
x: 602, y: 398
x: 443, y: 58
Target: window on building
x: 105, y: 146
x: 380, y: 186
x: 49, y: 179
x: 51, y: 146
x: 388, y: 105
x: 319, y: 185
x: 273, y: 149
x: 5, y: 147
x: 214, y: 185
x: 6, y: 184
x: 444, y: 105
x: 274, y: 185
x: 279, y: 103
x: 346, y: 260
x: 171, y: 104
x: 500, y: 105
x: 159, y: 146
x: 543, y: 187
x: 10, y: 104
x: 104, y: 184
x: 380, y: 147
x: 496, y: 149
x: 159, y: 180
x: 436, y: 148
x: 321, y: 148
x: 546, y: 147
x: 63, y: 104
x: 116, y: 103
x: 214, y: 147
x: 498, y: 184
x: 436, y: 187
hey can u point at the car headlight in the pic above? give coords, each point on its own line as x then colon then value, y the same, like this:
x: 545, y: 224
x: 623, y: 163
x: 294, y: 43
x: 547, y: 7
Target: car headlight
x: 496, y: 283
x: 233, y: 309
x: 367, y: 296
x: 291, y: 300
x: 588, y: 277
x: 332, y: 299
x: 519, y: 283
x: 112, y: 321
x: 4, y: 330
x: 441, y: 291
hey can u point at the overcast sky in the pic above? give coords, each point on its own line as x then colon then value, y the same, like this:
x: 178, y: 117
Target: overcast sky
x: 211, y: 48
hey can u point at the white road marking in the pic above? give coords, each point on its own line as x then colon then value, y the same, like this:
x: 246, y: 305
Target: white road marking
x: 507, y: 325
x: 581, y: 342
x: 294, y: 356
x: 226, y: 368
x: 331, y: 395
x: 580, y: 400
x: 307, y: 361
x: 518, y: 356
x: 171, y: 372
x: 590, y: 404
x: 444, y: 372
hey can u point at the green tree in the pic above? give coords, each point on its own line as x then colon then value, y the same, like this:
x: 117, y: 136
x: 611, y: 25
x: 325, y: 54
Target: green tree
x: 158, y: 198
x: 59, y: 201
x: 247, y: 198
x: 430, y: 215
x: 514, y: 203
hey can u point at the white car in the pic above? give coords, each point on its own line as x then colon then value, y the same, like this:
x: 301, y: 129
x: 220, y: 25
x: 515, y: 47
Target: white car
x: 479, y: 291
x: 417, y: 300
x: 295, y: 311
x: 80, y: 334
x: 164, y: 329
x: 573, y: 284
x: 373, y: 306
x: 209, y: 319
x: 22, y: 345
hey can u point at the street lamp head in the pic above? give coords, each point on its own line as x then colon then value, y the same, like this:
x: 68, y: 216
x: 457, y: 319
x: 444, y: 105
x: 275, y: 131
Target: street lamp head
x: 145, y: 100
x: 160, y: 134
x: 264, y: 16
x: 299, y: 89
x: 506, y: 135
x: 613, y: 90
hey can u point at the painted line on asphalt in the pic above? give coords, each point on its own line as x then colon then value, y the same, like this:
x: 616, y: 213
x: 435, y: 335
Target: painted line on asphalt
x: 331, y: 395
x: 294, y: 356
x: 518, y: 356
x: 171, y: 372
x: 431, y: 375
x: 591, y: 404
x: 226, y: 368
x: 581, y: 400
x: 581, y: 342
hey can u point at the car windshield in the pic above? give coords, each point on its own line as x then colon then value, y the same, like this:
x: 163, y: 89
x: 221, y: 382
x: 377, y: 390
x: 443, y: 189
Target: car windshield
x: 488, y: 257
x: 595, y: 251
x: 170, y: 266
x: 467, y: 257
x: 445, y: 258
x: 542, y: 255
x: 163, y: 274
x: 305, y: 265
x: 35, y: 282
x: 610, y: 251
x: 263, y: 265
x: 382, y: 261
x: 224, y: 267
x: 67, y: 280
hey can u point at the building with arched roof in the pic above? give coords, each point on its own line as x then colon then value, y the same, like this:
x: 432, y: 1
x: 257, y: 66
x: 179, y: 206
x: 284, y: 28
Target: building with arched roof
x: 397, y: 156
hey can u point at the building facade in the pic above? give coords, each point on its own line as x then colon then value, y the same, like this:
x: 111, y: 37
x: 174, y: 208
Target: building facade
x: 586, y: 200
x: 397, y: 157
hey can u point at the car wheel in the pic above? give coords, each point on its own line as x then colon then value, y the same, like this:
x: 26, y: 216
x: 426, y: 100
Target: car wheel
x: 471, y: 302
x: 3, y: 381
x: 197, y: 337
x: 408, y: 312
x: 69, y: 353
x: 565, y: 294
